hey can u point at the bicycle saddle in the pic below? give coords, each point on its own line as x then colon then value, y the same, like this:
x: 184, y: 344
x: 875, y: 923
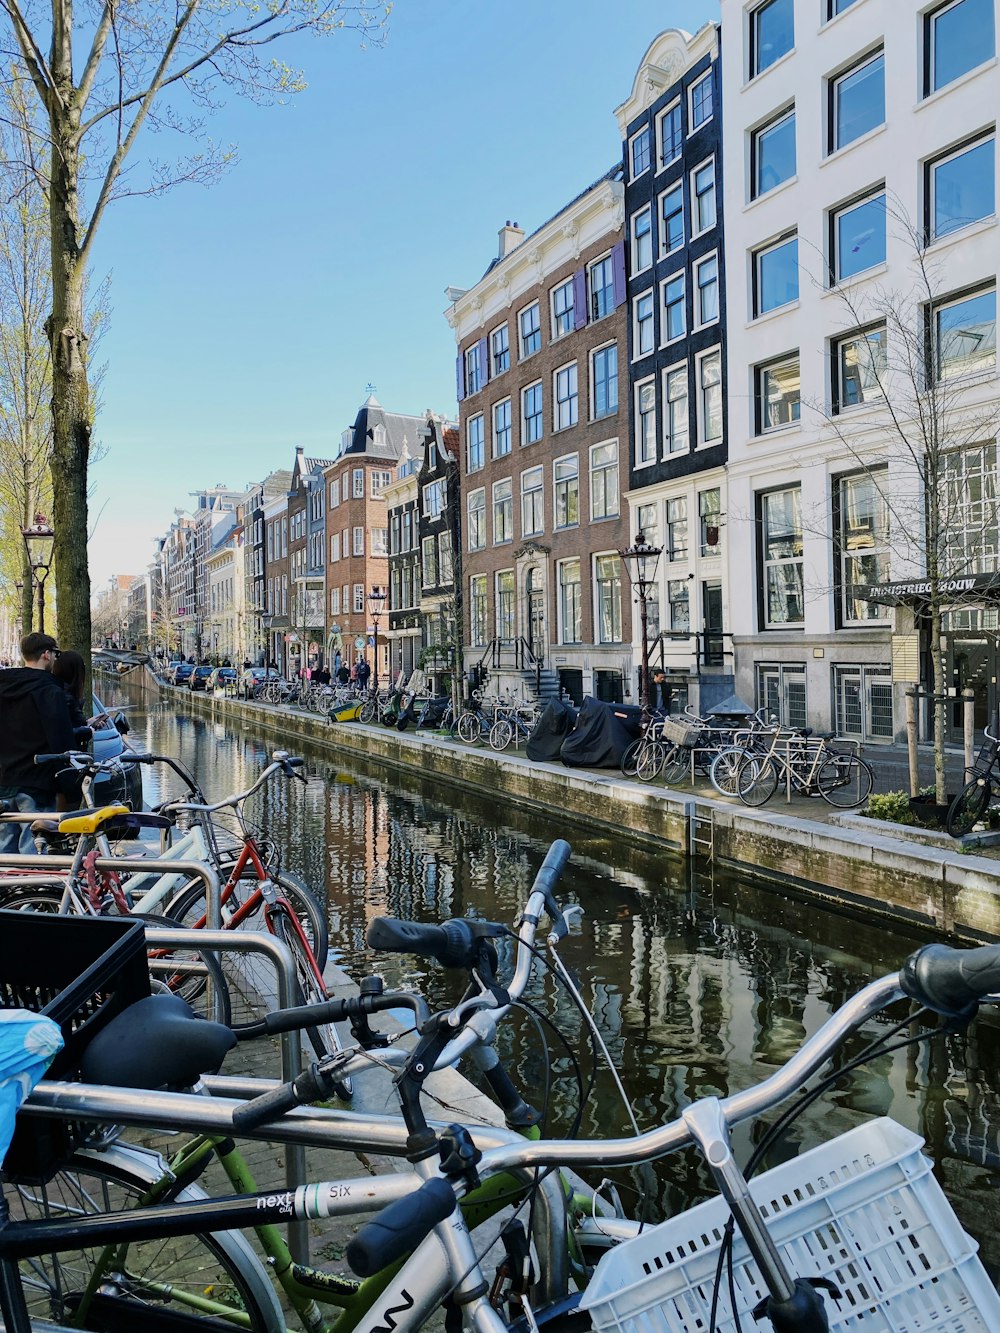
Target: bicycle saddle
x: 155, y: 1043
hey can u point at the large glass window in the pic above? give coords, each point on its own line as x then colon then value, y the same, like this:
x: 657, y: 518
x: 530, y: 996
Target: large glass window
x: 473, y: 381
x: 672, y: 322
x: 474, y: 444
x: 772, y: 33
x: 961, y: 187
x: 677, y: 528
x: 777, y: 393
x: 671, y: 137
x: 859, y: 367
x: 435, y: 497
x: 429, y: 561
x: 570, y: 602
x: 566, y: 398
x: 477, y: 519
x: 532, y: 423
x: 640, y: 152
x: 506, y: 609
x: 676, y: 436
x: 781, y: 530
x: 645, y: 423
x: 605, y: 381
x: 562, y: 309
x: 609, y: 598
x: 864, y: 545
x: 701, y: 102
x: 566, y: 485
x: 672, y: 220
x: 478, y: 610
x: 500, y: 349
x: 503, y: 512
x: 857, y: 101
x: 678, y: 606
x: 958, y: 36
x: 710, y: 396
x: 858, y: 236
x: 642, y: 331
x: 601, y: 284
x: 706, y: 277
x: 703, y: 197
x: 776, y: 275
x: 642, y: 239
x: 772, y: 154
x: 710, y: 520
x: 964, y: 333
x: 968, y: 496
x: 604, y: 480
x: 501, y: 428
x: 532, y: 502
x: 531, y: 330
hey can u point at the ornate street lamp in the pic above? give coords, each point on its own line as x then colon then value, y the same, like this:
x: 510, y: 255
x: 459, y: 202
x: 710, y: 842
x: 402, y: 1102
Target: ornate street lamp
x: 38, y: 539
x: 641, y: 561
x: 265, y: 621
x: 376, y: 604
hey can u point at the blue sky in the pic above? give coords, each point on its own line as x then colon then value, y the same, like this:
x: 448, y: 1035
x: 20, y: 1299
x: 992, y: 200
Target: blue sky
x: 249, y: 317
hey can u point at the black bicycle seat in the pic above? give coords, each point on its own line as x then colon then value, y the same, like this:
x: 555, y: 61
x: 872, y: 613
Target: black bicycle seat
x: 158, y: 1042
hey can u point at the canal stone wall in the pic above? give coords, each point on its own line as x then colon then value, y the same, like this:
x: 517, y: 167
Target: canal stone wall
x: 938, y: 888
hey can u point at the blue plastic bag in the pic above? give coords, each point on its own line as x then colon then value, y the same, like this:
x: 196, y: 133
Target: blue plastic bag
x: 28, y: 1043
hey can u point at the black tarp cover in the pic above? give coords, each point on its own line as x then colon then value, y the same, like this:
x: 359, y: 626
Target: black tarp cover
x: 551, y: 729
x: 599, y: 739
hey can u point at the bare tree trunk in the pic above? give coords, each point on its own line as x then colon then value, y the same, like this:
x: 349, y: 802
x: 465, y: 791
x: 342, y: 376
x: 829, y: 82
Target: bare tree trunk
x: 940, y: 704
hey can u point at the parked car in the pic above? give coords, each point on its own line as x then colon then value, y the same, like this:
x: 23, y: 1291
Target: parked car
x: 252, y: 677
x: 170, y: 670
x: 109, y: 731
x: 198, y: 680
x: 222, y: 678
x: 182, y: 674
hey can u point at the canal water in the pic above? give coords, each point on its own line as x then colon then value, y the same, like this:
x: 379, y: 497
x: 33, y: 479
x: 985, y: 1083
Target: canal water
x: 701, y: 982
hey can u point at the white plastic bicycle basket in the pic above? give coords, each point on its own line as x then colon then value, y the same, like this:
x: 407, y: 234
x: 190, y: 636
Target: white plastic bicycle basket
x: 863, y: 1210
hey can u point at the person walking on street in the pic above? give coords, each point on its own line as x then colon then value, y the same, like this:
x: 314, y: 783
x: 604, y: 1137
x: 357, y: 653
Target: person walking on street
x: 34, y: 719
x: 364, y: 671
x: 70, y: 670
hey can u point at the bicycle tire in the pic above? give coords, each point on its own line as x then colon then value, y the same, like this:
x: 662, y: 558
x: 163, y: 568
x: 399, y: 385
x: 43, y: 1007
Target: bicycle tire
x: 969, y: 806
x: 470, y: 728
x: 198, y: 979
x: 676, y: 764
x: 649, y: 761
x: 724, y: 771
x: 756, y: 780
x: 367, y: 711
x: 845, y: 780
x: 324, y: 1038
x: 501, y: 734
x: 629, y: 758
x: 159, y: 1272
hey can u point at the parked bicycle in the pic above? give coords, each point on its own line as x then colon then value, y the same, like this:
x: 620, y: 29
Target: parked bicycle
x: 971, y: 804
x: 809, y: 765
x: 513, y: 725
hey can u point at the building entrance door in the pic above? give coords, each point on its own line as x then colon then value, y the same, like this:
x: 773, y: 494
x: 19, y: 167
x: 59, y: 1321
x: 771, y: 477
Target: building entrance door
x: 712, y: 610
x: 536, y: 616
x: 973, y: 663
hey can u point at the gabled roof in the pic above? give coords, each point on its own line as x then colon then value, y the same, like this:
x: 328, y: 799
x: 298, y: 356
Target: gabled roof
x: 380, y: 434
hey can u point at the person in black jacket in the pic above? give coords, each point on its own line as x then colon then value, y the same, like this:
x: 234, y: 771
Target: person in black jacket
x: 34, y: 719
x: 70, y: 670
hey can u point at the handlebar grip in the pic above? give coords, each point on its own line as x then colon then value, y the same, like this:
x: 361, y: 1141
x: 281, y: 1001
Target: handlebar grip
x: 951, y: 981
x: 552, y: 867
x: 400, y: 1227
x: 304, y: 1016
x: 452, y: 944
x: 270, y: 1105
x: 52, y: 758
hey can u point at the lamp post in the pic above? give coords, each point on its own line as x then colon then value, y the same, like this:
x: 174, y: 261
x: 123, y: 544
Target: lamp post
x: 265, y: 621
x: 38, y: 538
x: 640, y: 561
x: 376, y: 603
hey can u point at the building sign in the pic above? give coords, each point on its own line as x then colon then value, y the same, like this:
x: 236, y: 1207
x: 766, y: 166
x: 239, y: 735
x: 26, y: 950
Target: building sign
x: 904, y: 591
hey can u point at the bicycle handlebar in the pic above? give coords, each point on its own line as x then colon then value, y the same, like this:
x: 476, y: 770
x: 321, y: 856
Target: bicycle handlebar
x: 286, y: 763
x: 951, y: 981
x: 400, y: 1227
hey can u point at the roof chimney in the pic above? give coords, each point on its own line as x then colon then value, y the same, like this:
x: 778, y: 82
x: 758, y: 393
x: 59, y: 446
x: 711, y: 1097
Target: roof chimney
x: 511, y: 235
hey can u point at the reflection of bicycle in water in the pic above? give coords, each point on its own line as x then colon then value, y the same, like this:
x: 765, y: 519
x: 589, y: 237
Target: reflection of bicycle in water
x: 807, y: 764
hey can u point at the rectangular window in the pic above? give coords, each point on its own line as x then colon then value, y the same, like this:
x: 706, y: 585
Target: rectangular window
x: 706, y: 276
x: 857, y: 236
x: 532, y: 502
x: 859, y: 367
x: 345, y: 597
x: 775, y: 275
x: 701, y: 102
x: 531, y: 414
x: 675, y: 410
x: 772, y: 34
x: 506, y: 610
x: 475, y: 451
x: 835, y: 7
x: 345, y: 542
x: 428, y: 561
x: 781, y: 693
x: 406, y: 539
x: 964, y: 334
x: 566, y: 486
x: 601, y: 286
x: 472, y: 377
x: 562, y: 309
x: 672, y: 322
x: 671, y: 137
x: 772, y: 154
x: 358, y: 483
x: 968, y: 510
x: 334, y: 601
x: 358, y: 545
x: 478, y: 611
x: 501, y: 429
x: 672, y: 220
x: 566, y: 400
x: 777, y: 394
x: 856, y: 101
x: 678, y: 606
x: 334, y: 546
x: 406, y: 585
x: 640, y: 152
x: 642, y: 239
x: 477, y: 519
x: 709, y: 520
x: 781, y: 534
x: 446, y: 569
x: 960, y: 187
x: 604, y: 480
x: 529, y: 322
x: 645, y: 423
x: 958, y: 36
x: 609, y: 598
x: 503, y: 512
x: 703, y: 197
x: 334, y: 493
x: 570, y: 602
x: 863, y: 542
x: 435, y: 497
x: 500, y: 350
x: 604, y: 378
x: 380, y: 479
x: 643, y: 339
x: 677, y: 529
x: 648, y: 523
x: 710, y: 396
x: 359, y: 596
x: 379, y: 538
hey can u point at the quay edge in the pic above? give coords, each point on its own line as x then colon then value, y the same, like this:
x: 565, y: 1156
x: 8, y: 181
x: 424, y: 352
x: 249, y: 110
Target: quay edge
x: 940, y: 889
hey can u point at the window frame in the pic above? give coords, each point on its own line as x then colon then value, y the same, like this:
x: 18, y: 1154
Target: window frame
x: 680, y: 275
x: 539, y: 415
x: 757, y: 255
x: 834, y: 83
x: 533, y: 495
x: 568, y: 314
x: 495, y: 450
x: 838, y: 379
x: 843, y: 554
x: 608, y: 573
x: 532, y: 307
x: 932, y: 164
x: 504, y: 504
x: 644, y: 213
x: 676, y: 189
x: 710, y: 354
x: 679, y: 368
x: 645, y: 446
x: 576, y: 601
x: 869, y: 196
x: 767, y: 562
x: 566, y: 481
x: 634, y: 141
x: 699, y: 288
x: 596, y: 352
x: 477, y: 526
x: 496, y: 370
x: 709, y: 550
x: 470, y: 422
x: 754, y: 68
x: 696, y: 198
x: 774, y: 122
x: 675, y: 105
x: 930, y: 17
x: 593, y: 312
x: 760, y: 371
x: 571, y: 401
x: 932, y: 334
x: 643, y: 325
x: 694, y: 123
x: 604, y: 471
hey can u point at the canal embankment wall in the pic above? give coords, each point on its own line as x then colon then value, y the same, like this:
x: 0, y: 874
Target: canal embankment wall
x: 857, y: 863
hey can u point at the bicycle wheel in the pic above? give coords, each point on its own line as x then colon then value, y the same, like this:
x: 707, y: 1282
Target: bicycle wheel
x: 194, y: 974
x: 724, y: 770
x: 845, y: 780
x: 649, y: 760
x: 756, y: 779
x: 630, y: 759
x: 676, y: 764
x: 469, y: 728
x: 189, y: 1281
x: 969, y: 806
x: 368, y: 711
x: 324, y: 1038
x: 501, y: 734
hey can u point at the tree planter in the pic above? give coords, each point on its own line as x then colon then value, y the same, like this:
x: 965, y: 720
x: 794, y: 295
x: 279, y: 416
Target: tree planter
x: 926, y: 807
